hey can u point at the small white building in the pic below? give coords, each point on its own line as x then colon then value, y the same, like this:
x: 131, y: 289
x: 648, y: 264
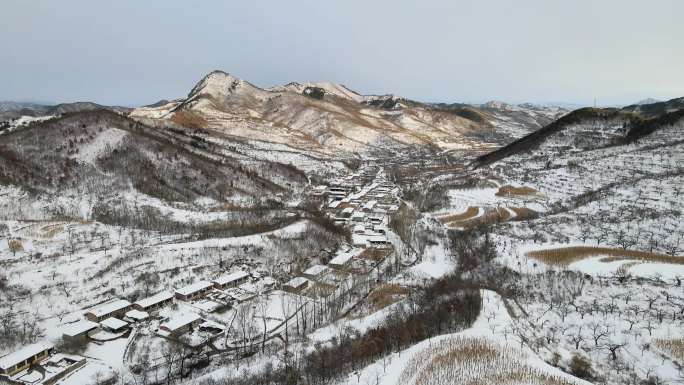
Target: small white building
x: 341, y: 260
x: 23, y: 358
x: 113, y: 325
x: 154, y: 302
x: 136, y: 315
x: 347, y: 212
x: 233, y: 279
x: 112, y: 309
x: 368, y: 206
x: 296, y: 285
x: 315, y: 271
x: 194, y: 291
x: 79, y: 331
x: 180, y: 325
x: 358, y: 217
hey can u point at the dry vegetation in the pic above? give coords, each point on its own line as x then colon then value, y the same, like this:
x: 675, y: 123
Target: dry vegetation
x: 386, y: 295
x: 469, y: 213
x: 189, y: 119
x: 673, y: 347
x: 523, y: 213
x: 490, y: 217
x: 508, y: 190
x: 375, y: 254
x: 50, y: 231
x: 474, y: 360
x: 564, y: 256
x: 15, y: 245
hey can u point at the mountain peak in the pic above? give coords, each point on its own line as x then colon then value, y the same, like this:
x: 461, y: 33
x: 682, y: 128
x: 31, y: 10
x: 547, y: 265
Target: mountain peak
x: 647, y: 101
x: 497, y: 104
x: 218, y: 84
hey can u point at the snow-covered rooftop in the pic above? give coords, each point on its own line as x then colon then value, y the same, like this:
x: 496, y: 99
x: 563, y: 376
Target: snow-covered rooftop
x: 22, y: 354
x: 316, y: 270
x: 297, y: 282
x: 232, y: 277
x: 79, y: 327
x: 194, y: 288
x: 110, y: 307
x: 342, y: 258
x: 155, y: 299
x: 113, y: 323
x: 137, y: 315
x: 181, y: 321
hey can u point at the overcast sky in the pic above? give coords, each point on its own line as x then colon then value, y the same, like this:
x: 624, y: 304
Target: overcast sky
x: 132, y: 52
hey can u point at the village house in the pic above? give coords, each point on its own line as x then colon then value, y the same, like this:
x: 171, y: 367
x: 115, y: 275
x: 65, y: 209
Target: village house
x: 378, y: 241
x: 23, y: 358
x: 268, y: 283
x: 231, y: 280
x: 347, y: 212
x: 320, y: 190
x: 368, y: 206
x: 341, y: 260
x: 79, y: 331
x: 240, y: 295
x: 315, y: 271
x: 359, y: 240
x: 114, y: 325
x: 117, y: 308
x: 194, y: 291
x: 296, y: 285
x: 376, y: 219
x: 358, y: 217
x: 154, y: 302
x: 136, y: 315
x: 180, y: 325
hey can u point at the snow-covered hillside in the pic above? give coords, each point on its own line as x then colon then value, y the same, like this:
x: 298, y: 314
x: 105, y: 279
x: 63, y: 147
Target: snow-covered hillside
x: 331, y: 118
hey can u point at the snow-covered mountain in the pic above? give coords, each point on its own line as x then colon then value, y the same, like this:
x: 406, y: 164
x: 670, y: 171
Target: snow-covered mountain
x: 15, y: 110
x: 331, y: 118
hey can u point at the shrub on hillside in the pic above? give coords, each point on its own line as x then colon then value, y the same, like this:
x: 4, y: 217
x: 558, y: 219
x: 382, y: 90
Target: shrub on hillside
x: 581, y: 367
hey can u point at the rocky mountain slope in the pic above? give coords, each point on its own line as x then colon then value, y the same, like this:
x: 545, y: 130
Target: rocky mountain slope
x: 330, y: 118
x: 14, y: 110
x: 593, y: 128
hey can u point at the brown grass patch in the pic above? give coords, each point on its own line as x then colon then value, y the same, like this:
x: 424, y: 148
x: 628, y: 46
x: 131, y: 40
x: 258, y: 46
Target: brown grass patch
x: 345, y: 205
x: 386, y: 295
x: 189, y: 119
x: 474, y: 360
x: 673, y: 347
x: 523, y: 213
x: 321, y: 289
x: 50, y: 231
x: 375, y: 254
x: 469, y: 213
x: 15, y: 245
x: 564, y: 256
x: 508, y: 190
x: 490, y: 217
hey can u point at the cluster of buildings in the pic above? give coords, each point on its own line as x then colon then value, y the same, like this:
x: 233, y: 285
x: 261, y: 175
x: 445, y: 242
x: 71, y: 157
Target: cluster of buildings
x: 37, y: 364
x: 363, y: 202
x: 113, y: 320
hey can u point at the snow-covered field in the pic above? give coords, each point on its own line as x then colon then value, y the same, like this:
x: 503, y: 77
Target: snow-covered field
x: 457, y: 358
